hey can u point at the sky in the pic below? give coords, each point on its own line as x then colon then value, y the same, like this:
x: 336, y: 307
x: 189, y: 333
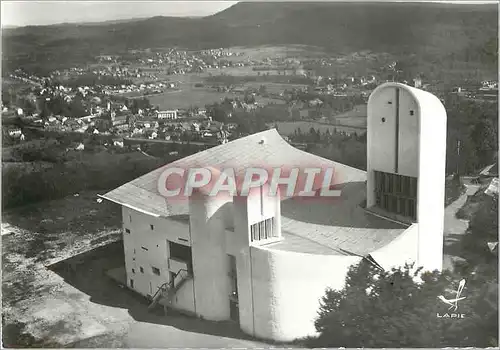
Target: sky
x: 22, y: 13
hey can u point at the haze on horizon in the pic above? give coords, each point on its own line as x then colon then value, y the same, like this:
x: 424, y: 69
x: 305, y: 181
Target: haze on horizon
x: 24, y: 13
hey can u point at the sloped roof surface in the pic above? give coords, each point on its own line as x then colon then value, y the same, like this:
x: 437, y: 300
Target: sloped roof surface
x: 266, y: 148
x: 338, y: 226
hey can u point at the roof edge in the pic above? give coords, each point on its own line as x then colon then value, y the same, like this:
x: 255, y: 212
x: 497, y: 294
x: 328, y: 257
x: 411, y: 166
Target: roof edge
x: 128, y: 205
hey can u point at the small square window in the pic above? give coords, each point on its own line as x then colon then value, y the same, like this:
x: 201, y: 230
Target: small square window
x: 156, y: 271
x: 152, y: 227
x: 411, y: 112
x: 127, y: 230
x: 141, y: 269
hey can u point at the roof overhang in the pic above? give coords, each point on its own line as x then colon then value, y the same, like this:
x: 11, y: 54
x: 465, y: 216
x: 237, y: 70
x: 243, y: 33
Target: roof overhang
x: 128, y: 206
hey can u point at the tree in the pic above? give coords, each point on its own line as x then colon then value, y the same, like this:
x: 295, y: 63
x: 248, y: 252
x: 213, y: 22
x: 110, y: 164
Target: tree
x: 327, y: 136
x: 263, y: 90
x: 28, y: 106
x: 76, y: 108
x: 380, y: 308
x: 249, y: 98
x: 485, y: 136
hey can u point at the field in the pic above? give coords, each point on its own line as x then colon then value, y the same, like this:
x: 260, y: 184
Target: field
x: 288, y: 128
x: 356, y: 117
x: 189, y: 96
x: 274, y: 87
x: 185, y: 98
x: 270, y: 51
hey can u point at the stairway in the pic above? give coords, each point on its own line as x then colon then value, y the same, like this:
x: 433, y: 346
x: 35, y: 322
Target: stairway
x: 168, y: 290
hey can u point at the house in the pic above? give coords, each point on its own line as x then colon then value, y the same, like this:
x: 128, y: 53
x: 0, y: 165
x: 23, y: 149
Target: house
x: 490, y: 171
x: 304, y: 114
x: 265, y: 260
x: 170, y: 114
x: 14, y: 132
x: 118, y: 142
x: 417, y: 82
x: 119, y: 117
x: 492, y: 189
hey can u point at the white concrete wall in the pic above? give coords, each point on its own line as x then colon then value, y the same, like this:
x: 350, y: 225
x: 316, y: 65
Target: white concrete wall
x: 210, y: 261
x: 381, y: 137
x: 239, y: 247
x: 260, y: 209
x: 409, y: 135
x: 247, y: 211
x: 156, y: 242
x: 400, y: 251
x: 431, y: 182
x: 287, y: 288
x: 422, y: 147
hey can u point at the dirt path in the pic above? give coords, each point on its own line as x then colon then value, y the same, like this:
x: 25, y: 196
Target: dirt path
x: 455, y: 227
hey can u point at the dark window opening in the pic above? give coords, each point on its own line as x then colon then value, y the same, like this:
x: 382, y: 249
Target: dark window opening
x: 234, y: 311
x: 182, y: 253
x: 156, y: 270
x: 263, y: 230
x: 133, y: 270
x: 233, y: 279
x: 411, y: 112
x: 383, y: 120
x: 152, y: 227
x: 130, y: 218
x: 141, y: 269
x: 127, y: 230
x: 396, y: 193
x: 131, y: 283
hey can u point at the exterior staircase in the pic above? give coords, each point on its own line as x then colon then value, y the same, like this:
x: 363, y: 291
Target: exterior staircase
x: 168, y: 290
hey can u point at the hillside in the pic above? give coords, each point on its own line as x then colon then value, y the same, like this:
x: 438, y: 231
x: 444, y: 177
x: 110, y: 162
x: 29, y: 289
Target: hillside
x: 448, y: 34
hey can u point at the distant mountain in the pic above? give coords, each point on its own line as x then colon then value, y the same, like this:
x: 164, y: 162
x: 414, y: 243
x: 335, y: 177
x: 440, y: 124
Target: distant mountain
x: 434, y: 32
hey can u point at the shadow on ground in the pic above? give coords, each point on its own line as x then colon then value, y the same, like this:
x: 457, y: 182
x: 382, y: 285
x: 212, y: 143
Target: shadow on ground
x: 87, y: 273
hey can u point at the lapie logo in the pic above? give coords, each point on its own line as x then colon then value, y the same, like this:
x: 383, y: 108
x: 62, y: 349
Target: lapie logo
x: 453, y: 302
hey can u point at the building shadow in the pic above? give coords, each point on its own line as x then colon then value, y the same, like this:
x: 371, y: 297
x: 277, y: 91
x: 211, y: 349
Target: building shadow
x: 87, y: 273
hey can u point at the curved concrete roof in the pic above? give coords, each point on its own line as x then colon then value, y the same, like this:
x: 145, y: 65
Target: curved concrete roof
x: 329, y: 226
x: 265, y: 148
